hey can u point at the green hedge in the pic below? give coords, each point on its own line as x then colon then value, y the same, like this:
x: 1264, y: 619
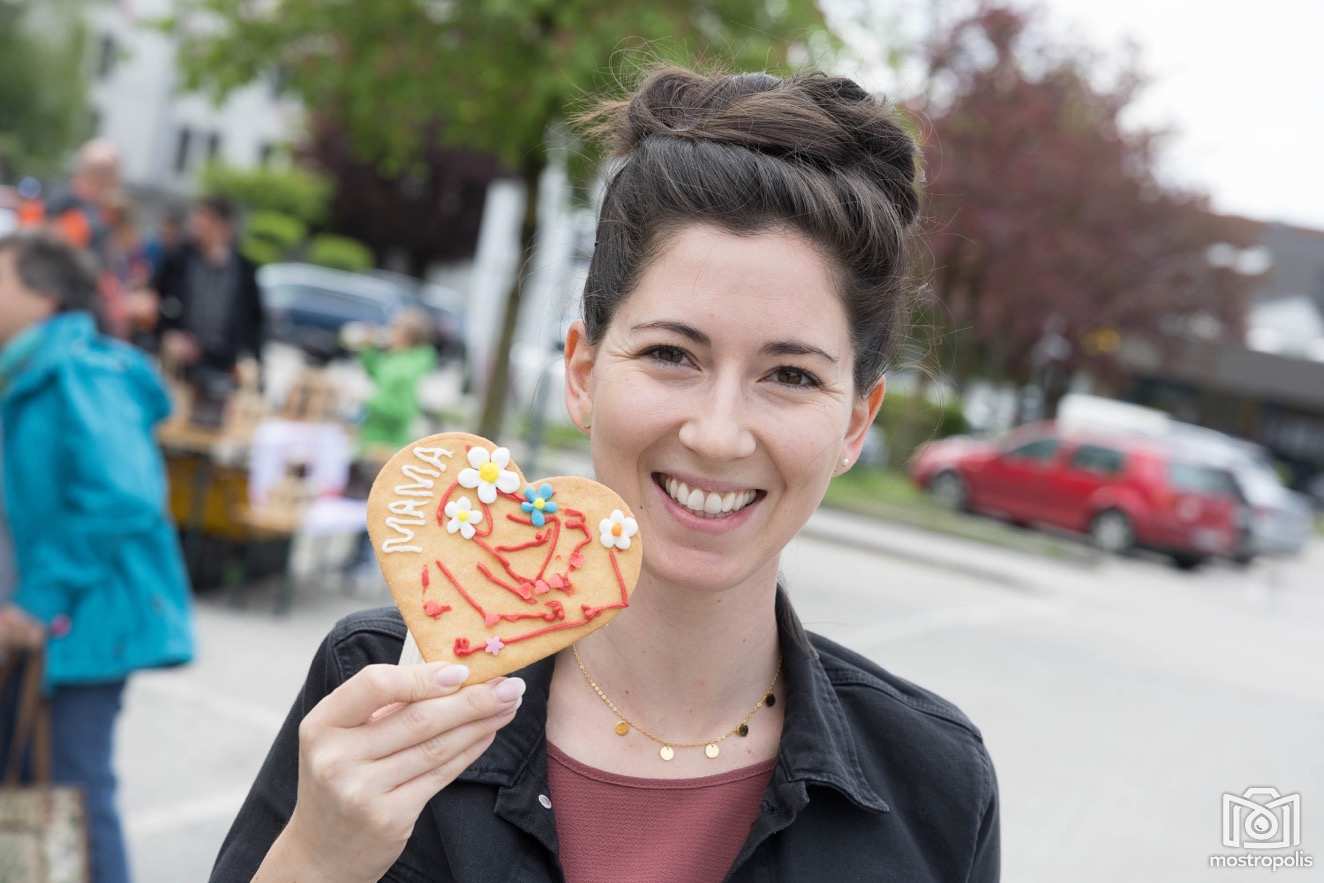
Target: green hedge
x: 909, y: 421
x: 340, y: 253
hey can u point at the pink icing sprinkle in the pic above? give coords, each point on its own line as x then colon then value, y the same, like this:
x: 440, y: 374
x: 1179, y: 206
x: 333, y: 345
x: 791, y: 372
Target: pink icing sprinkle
x: 494, y: 645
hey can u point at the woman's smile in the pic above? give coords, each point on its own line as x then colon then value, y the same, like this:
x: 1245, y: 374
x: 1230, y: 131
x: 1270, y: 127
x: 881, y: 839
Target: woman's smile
x: 712, y: 507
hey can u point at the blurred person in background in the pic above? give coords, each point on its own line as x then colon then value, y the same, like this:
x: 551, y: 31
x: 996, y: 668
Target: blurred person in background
x: 90, y: 568
x: 125, y: 256
x: 78, y: 213
x: 395, y: 359
x: 169, y: 236
x: 396, y: 362
x: 210, y: 306
x: 81, y: 214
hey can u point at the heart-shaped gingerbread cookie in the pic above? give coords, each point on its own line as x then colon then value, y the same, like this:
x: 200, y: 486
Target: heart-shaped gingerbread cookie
x: 489, y: 569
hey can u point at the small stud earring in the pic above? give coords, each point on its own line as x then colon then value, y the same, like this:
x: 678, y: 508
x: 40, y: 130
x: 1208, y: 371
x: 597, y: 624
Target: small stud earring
x: 845, y: 461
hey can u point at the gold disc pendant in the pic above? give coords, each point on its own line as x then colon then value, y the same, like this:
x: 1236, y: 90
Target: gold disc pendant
x: 666, y: 752
x: 711, y: 750
x: 622, y: 728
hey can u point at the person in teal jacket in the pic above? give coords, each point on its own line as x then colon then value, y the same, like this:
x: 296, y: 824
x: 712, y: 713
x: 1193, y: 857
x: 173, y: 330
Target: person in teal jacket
x: 89, y: 561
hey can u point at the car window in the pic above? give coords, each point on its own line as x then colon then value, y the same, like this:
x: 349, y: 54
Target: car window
x: 1098, y: 459
x: 1041, y: 449
x: 1260, y: 486
x: 1192, y: 479
x: 335, y: 305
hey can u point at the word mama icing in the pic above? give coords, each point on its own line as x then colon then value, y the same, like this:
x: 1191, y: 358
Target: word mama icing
x: 408, y: 512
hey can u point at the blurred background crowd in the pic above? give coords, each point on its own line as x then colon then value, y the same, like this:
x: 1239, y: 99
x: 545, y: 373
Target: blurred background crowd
x: 335, y: 227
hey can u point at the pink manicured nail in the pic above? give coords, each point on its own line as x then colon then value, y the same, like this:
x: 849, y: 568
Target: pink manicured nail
x: 509, y: 690
x: 452, y: 675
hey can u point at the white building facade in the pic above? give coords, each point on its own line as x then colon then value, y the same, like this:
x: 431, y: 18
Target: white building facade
x: 167, y: 136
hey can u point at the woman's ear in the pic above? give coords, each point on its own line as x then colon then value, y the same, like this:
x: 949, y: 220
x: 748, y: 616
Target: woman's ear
x: 862, y: 415
x: 579, y: 357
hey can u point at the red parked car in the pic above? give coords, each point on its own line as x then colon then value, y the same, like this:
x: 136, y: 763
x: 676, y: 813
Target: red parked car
x: 1124, y: 492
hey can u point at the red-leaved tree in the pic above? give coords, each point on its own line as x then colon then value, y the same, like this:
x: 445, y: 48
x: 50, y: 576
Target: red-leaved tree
x: 1045, y: 211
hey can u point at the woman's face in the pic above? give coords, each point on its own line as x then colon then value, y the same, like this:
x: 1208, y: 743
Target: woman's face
x: 721, y: 401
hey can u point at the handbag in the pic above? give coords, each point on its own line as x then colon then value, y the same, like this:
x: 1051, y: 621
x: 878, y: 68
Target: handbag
x: 43, y: 827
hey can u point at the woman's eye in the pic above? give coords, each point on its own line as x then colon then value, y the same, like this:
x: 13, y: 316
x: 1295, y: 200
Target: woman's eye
x: 795, y: 377
x: 667, y: 355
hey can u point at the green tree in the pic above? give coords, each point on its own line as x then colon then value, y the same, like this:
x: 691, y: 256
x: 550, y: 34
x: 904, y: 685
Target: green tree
x: 499, y: 72
x: 43, y: 93
x: 287, y: 190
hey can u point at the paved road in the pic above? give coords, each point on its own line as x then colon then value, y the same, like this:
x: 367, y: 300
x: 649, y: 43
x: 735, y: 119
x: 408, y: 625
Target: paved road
x: 1119, y: 701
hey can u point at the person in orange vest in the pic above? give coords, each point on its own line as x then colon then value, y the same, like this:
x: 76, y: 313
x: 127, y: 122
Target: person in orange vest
x: 80, y: 216
x: 78, y: 213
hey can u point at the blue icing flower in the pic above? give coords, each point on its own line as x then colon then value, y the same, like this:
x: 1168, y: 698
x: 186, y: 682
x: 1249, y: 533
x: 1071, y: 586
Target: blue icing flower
x: 538, y: 503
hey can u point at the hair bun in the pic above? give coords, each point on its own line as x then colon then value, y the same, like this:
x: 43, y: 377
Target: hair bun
x: 812, y: 119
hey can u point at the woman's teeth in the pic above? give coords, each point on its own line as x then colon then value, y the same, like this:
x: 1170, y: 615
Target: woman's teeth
x: 710, y: 504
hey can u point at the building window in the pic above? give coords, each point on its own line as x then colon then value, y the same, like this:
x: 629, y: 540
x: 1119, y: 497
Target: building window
x: 107, y: 55
x: 265, y: 152
x: 213, y: 146
x: 183, y: 141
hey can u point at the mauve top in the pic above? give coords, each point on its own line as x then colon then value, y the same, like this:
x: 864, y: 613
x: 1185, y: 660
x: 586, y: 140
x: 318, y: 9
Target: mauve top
x: 613, y: 827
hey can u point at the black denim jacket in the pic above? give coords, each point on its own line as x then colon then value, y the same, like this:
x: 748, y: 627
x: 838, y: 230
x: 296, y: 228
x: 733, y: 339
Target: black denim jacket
x: 876, y: 779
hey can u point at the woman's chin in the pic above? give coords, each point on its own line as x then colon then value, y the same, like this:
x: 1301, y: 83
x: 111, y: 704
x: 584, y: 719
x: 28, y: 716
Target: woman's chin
x: 695, y: 571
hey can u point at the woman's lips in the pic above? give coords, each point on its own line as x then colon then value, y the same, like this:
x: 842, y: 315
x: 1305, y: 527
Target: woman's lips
x: 719, y: 525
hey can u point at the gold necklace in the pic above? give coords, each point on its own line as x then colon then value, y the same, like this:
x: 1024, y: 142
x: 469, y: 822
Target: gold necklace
x: 668, y: 750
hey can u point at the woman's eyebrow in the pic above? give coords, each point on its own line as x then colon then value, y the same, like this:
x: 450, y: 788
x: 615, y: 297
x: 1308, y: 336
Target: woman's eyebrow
x: 774, y: 348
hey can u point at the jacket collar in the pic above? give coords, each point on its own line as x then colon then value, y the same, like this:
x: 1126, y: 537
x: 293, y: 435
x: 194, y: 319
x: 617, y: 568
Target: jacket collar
x: 817, y: 745
x: 32, y: 355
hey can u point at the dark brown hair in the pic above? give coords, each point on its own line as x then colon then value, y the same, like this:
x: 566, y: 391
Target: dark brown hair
x: 753, y: 152
x: 49, y: 266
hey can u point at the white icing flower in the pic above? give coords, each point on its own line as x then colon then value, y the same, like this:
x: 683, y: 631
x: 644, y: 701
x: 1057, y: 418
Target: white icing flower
x: 489, y: 473
x: 615, y: 530
x: 463, y: 516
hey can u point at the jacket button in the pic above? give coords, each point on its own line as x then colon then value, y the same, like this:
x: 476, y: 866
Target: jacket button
x: 545, y: 801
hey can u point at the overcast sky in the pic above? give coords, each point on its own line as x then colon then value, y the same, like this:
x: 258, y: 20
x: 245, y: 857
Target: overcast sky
x: 1241, y: 83
x: 1244, y: 85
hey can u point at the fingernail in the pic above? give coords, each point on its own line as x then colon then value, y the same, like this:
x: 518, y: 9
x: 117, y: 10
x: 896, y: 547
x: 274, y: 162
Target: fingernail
x: 452, y: 675
x: 509, y: 690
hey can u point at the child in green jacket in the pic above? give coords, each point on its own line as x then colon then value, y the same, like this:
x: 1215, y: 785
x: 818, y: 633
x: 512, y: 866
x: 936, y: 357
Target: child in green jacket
x: 395, y: 370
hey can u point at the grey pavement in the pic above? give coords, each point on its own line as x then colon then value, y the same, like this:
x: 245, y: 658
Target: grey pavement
x: 1119, y: 701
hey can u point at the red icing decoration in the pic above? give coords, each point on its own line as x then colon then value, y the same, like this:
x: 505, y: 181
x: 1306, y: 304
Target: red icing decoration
x: 526, y: 587
x: 435, y: 609
x: 522, y: 593
x: 537, y: 541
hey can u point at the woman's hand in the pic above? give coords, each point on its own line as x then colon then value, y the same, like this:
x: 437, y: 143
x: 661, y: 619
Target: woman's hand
x: 371, y: 755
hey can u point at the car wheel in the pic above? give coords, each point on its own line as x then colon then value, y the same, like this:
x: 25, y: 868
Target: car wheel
x: 1112, y: 532
x: 948, y: 490
x: 1183, y: 561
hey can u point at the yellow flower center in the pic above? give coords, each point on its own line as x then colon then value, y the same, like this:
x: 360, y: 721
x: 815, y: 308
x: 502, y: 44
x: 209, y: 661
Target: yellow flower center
x: 539, y: 503
x: 462, y: 515
x: 615, y: 530
x: 489, y: 472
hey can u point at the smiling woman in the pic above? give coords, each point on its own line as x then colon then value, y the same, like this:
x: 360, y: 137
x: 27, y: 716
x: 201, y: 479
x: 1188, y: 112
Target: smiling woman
x: 747, y: 291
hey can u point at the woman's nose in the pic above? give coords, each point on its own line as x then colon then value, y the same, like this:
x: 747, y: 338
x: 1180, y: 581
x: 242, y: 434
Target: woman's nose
x: 718, y: 431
